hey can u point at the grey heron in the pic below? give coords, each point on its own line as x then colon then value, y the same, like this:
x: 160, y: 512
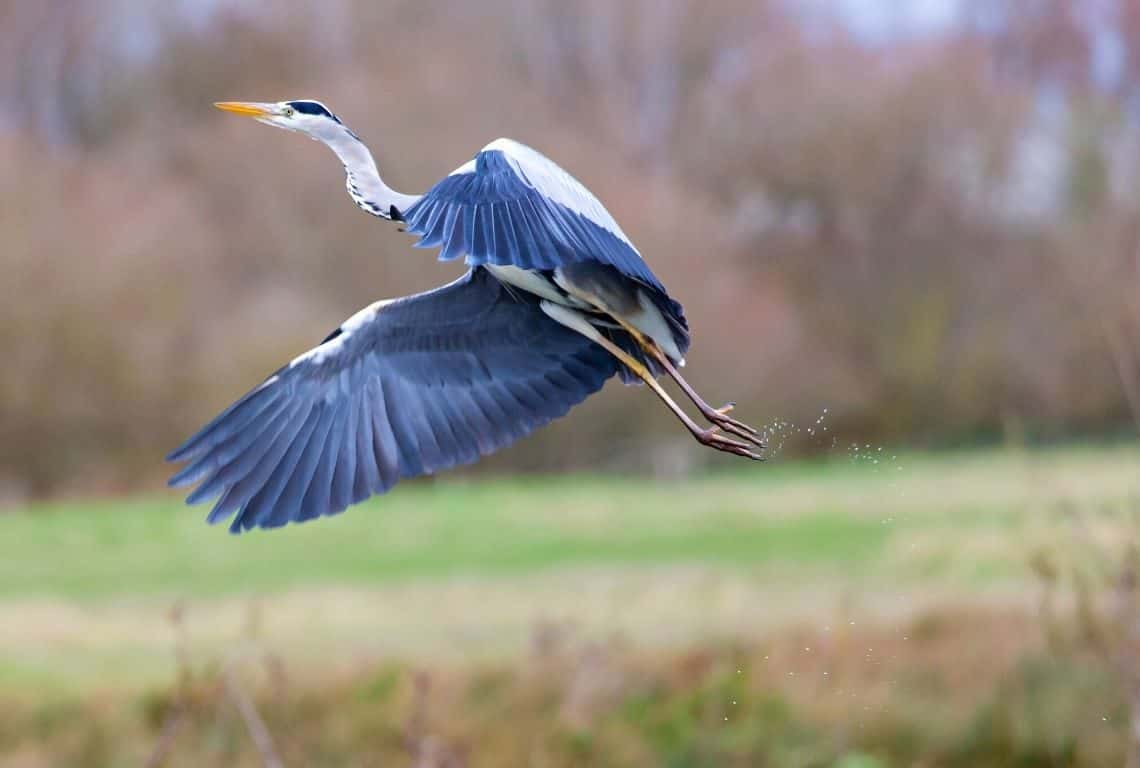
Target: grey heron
x: 556, y: 300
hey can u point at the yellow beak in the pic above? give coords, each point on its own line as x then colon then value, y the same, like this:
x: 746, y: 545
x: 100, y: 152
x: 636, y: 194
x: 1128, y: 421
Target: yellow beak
x: 247, y: 108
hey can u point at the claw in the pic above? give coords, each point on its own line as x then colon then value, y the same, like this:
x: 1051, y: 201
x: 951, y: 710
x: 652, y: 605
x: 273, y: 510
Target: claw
x: 713, y: 439
x: 734, y: 427
x: 720, y: 417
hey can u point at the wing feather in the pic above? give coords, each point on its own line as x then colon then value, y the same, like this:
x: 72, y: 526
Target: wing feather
x: 298, y: 486
x: 316, y: 499
x: 243, y: 462
x: 384, y: 446
x: 263, y: 507
x: 337, y: 458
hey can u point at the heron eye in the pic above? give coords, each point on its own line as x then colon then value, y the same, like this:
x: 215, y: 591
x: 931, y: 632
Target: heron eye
x: 288, y: 111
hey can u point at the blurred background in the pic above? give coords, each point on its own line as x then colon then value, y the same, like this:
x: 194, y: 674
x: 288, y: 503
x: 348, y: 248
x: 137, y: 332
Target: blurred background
x: 906, y: 235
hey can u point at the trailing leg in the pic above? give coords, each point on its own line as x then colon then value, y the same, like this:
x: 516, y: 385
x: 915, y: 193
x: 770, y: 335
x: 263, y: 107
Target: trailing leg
x: 576, y: 321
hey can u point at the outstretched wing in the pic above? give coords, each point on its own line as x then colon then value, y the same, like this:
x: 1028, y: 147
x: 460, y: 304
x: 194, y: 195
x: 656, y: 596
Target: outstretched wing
x: 403, y: 388
x: 513, y: 206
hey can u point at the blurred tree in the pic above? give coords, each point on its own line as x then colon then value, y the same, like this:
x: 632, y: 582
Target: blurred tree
x: 933, y: 239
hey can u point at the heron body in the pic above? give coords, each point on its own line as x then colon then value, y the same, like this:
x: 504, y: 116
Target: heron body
x: 556, y: 301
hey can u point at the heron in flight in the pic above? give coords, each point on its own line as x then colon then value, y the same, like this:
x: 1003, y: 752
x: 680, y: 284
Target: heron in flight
x: 556, y: 301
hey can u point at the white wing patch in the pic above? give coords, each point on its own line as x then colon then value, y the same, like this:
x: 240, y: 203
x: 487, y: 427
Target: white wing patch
x: 468, y: 167
x: 551, y: 180
x: 350, y: 326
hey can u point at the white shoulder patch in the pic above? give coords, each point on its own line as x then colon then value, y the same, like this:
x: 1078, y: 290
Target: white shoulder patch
x: 347, y: 329
x: 468, y: 167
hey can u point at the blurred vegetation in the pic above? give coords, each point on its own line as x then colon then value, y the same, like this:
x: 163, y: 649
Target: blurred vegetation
x: 953, y: 688
x: 934, y: 239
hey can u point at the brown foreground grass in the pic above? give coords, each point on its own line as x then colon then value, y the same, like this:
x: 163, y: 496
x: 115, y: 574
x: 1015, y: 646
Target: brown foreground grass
x: 953, y: 687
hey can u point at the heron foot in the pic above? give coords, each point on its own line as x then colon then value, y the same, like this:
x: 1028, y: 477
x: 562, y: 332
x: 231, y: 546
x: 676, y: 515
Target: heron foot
x: 714, y: 439
x: 721, y: 420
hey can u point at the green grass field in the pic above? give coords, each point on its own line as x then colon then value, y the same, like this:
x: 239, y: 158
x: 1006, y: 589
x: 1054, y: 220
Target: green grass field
x: 917, y: 517
x: 463, y: 569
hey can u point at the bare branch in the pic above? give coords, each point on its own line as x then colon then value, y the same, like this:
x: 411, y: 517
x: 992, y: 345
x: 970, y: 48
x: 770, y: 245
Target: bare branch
x: 253, y: 722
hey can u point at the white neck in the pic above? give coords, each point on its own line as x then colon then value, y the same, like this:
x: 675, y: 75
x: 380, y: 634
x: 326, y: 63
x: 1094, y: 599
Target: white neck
x: 363, y: 180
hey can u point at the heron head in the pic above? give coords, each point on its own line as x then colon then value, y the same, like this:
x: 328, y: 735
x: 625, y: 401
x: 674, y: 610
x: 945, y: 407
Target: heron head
x: 311, y: 118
